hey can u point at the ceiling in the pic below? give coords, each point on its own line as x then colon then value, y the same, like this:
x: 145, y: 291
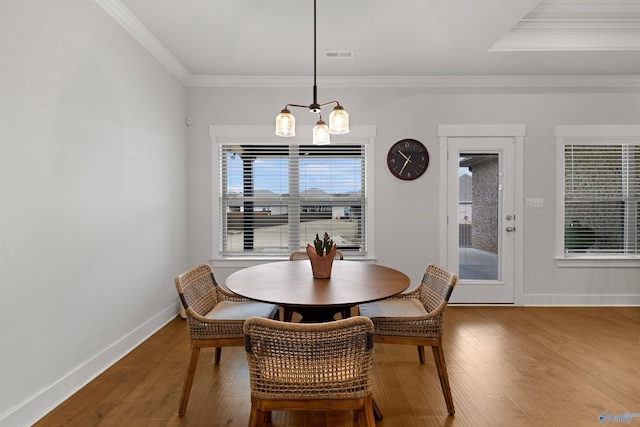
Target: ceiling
x: 212, y: 40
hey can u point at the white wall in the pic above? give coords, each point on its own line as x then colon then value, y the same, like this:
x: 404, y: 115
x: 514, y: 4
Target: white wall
x: 93, y: 199
x: 408, y: 240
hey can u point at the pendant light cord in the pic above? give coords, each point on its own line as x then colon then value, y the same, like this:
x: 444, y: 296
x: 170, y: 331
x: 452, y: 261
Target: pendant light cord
x: 315, y: 87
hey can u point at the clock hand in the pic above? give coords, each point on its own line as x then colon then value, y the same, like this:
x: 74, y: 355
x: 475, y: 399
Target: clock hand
x: 404, y: 166
x: 403, y: 155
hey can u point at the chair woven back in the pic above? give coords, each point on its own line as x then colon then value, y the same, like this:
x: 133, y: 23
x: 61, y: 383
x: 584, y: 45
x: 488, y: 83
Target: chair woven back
x: 302, y: 255
x: 436, y: 286
x: 198, y: 288
x: 296, y: 361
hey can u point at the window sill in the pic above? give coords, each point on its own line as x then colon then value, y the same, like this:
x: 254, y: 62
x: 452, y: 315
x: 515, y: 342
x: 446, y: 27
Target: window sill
x: 595, y: 261
x: 241, y: 262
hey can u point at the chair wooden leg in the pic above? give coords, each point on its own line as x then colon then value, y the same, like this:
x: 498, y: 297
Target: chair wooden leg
x: 263, y: 418
x: 218, y: 354
x: 365, y: 417
x: 421, y: 353
x: 253, y: 417
x: 188, y: 380
x: 258, y: 417
x: 438, y: 355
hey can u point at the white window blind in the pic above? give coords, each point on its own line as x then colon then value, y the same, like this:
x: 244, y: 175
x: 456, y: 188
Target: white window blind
x: 275, y: 198
x: 601, y: 197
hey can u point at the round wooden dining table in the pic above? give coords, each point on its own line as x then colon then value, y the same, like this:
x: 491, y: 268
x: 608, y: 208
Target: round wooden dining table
x: 291, y: 284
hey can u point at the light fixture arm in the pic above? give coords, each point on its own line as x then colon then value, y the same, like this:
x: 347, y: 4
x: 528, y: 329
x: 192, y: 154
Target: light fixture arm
x: 310, y: 107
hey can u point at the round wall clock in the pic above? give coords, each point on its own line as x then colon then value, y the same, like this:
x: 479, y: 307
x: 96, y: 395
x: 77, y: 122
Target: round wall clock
x: 407, y: 159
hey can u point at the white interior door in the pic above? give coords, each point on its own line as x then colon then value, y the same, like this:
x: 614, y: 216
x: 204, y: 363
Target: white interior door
x: 481, y: 218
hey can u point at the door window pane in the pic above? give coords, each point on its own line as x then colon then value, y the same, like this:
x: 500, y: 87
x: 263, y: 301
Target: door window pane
x: 479, y: 206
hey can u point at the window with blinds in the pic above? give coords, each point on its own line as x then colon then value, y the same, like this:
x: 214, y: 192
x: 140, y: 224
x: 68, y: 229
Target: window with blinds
x: 275, y: 198
x: 601, y: 197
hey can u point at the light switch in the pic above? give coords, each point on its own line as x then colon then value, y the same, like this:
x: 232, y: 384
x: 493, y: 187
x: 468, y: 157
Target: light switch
x: 534, y: 203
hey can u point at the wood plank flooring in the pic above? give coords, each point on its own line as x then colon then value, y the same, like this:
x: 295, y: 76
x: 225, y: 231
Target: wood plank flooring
x: 508, y: 366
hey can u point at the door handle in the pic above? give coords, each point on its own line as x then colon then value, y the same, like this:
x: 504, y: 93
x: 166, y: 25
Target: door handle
x: 510, y: 229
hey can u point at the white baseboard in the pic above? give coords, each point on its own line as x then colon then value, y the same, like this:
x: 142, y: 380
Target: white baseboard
x: 40, y: 404
x: 566, y: 300
x: 581, y: 300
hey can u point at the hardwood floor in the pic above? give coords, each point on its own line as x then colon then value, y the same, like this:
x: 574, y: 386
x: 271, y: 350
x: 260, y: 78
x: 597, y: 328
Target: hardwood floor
x: 508, y: 366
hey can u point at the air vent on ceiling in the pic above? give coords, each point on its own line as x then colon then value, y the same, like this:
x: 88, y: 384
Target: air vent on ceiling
x: 335, y: 54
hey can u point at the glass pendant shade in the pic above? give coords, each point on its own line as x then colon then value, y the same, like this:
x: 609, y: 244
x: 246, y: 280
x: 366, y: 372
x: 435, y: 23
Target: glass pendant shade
x: 339, y: 121
x: 321, y: 133
x: 285, y: 124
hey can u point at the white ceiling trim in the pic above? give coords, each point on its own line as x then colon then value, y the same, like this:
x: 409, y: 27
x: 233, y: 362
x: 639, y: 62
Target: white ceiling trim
x: 528, y: 81
x: 137, y: 29
x: 571, y: 35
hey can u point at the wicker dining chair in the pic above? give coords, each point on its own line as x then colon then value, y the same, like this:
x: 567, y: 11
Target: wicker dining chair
x: 310, y: 367
x: 416, y: 318
x: 215, y: 318
x: 287, y: 313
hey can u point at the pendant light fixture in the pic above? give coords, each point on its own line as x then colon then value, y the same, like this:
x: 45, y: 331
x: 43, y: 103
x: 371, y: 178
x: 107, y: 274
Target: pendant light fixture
x: 338, y: 119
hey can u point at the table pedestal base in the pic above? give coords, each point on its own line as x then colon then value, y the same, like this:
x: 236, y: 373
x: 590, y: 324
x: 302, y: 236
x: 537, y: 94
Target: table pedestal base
x: 314, y: 314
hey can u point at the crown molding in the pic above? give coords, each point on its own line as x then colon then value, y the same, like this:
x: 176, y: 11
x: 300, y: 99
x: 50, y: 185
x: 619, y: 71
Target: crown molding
x: 133, y: 26
x: 511, y: 81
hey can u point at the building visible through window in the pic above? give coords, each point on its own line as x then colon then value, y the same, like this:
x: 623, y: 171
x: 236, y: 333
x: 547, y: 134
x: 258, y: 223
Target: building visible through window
x: 276, y: 198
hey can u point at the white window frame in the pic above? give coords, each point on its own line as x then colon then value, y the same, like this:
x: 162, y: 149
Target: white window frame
x: 593, y: 133
x: 220, y: 135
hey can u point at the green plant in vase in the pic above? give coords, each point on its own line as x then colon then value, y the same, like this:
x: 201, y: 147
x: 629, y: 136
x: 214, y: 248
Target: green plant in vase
x: 323, y: 246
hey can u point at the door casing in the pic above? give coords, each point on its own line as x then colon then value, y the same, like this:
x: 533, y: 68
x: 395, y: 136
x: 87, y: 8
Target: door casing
x: 517, y: 132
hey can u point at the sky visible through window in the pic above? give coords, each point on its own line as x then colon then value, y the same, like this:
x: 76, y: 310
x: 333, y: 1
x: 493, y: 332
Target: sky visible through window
x: 331, y: 175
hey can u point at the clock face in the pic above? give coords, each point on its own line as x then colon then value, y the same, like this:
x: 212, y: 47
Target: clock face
x: 407, y: 159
